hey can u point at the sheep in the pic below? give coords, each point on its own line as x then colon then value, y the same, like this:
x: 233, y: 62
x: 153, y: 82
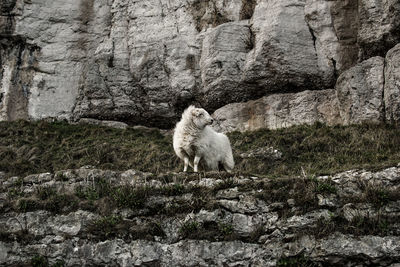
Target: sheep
x: 194, y: 138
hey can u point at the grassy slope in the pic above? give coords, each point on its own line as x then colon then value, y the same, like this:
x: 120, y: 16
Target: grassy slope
x: 27, y: 148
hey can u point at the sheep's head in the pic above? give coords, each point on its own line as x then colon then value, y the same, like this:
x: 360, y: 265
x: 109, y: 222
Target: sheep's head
x: 201, y: 118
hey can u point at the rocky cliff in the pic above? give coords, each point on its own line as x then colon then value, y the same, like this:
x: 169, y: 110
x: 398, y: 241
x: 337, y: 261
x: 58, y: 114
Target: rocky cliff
x: 143, y: 62
x: 94, y: 217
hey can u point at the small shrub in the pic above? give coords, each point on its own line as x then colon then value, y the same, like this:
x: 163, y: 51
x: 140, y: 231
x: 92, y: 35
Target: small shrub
x: 25, y: 205
x: 378, y: 196
x: 325, y: 187
x: 296, y: 261
x: 130, y: 197
x: 61, y: 177
x: 106, y: 226
x: 14, y: 193
x: 155, y: 229
x: 17, y: 190
x: 57, y: 202
x: 225, y: 229
x: 59, y: 263
x: 380, y: 225
x: 39, y: 261
x: 189, y: 228
x: 173, y: 190
x: 45, y: 192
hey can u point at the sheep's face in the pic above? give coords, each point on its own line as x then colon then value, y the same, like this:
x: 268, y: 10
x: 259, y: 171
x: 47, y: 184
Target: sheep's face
x: 201, y: 118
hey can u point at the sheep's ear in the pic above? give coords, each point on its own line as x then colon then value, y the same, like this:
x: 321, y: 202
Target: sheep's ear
x: 195, y: 112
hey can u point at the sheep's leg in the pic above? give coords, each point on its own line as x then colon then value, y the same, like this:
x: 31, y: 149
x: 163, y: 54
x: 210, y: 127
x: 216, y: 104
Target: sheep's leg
x: 227, y: 167
x: 186, y: 163
x: 228, y: 162
x: 196, y: 163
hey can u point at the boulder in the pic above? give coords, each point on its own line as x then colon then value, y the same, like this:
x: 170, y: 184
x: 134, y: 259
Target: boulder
x: 279, y: 110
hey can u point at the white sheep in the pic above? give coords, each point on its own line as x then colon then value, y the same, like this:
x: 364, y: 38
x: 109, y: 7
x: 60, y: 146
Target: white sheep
x: 194, y: 138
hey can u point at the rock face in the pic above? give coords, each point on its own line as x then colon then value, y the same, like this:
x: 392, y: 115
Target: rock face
x: 99, y: 217
x: 334, y: 26
x: 379, y: 27
x: 143, y: 62
x: 392, y: 85
x: 360, y: 92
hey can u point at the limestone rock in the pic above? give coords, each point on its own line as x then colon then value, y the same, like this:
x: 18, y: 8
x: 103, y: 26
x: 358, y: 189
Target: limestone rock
x: 392, y: 85
x: 113, y: 124
x: 333, y: 25
x: 379, y: 27
x: 264, y: 153
x: 18, y: 63
x: 280, y: 110
x: 373, y: 246
x: 347, y: 32
x: 283, y: 57
x: 143, y: 62
x: 360, y: 92
x: 252, y: 230
x: 223, y: 57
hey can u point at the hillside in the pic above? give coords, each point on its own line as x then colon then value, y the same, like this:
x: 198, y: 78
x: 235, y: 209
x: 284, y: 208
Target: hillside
x: 307, y: 91
x: 27, y: 148
x: 301, y: 196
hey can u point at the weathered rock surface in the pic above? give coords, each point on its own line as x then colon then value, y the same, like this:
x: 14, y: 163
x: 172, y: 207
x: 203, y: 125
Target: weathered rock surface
x: 334, y: 27
x: 366, y: 92
x: 392, y: 85
x: 347, y: 32
x: 263, y: 152
x: 18, y: 63
x: 360, y: 92
x: 113, y: 124
x: 379, y: 27
x: 143, y: 62
x: 279, y: 110
x: 233, y: 220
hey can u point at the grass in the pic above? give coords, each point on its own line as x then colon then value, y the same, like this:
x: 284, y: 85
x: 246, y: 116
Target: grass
x: 104, y: 197
x: 209, y: 230
x: 377, y: 195
x: 41, y: 261
x: 35, y: 147
x: 296, y: 261
x: 303, y: 191
x: 112, y: 226
x: 380, y: 225
x: 320, y: 149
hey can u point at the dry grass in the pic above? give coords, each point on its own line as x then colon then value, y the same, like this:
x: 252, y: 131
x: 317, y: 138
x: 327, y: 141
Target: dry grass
x: 27, y: 148
x: 320, y: 149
